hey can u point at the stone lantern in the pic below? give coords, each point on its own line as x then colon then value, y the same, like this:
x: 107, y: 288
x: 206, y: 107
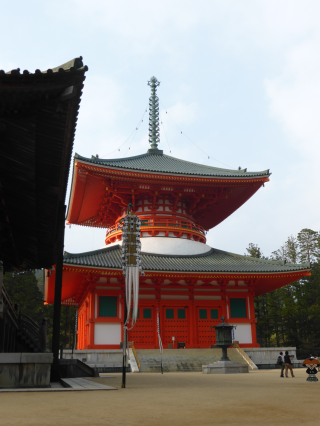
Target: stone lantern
x: 224, y: 338
x: 224, y: 365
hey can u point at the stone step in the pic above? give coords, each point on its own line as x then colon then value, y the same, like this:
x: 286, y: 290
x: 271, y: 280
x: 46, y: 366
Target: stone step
x: 182, y: 359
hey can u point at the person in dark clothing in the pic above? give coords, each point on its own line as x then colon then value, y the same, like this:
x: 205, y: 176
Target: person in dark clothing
x: 281, y: 363
x: 288, y: 364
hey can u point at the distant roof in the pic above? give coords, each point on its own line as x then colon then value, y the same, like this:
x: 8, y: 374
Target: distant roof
x: 38, y: 116
x: 212, y: 261
x: 158, y: 162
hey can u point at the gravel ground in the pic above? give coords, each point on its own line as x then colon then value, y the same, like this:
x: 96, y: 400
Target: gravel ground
x: 257, y: 398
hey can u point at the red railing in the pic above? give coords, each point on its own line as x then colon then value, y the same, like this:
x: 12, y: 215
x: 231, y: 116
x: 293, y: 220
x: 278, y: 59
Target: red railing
x: 162, y: 224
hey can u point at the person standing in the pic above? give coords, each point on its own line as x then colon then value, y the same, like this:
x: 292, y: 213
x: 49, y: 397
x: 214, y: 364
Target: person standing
x: 288, y: 364
x: 281, y: 363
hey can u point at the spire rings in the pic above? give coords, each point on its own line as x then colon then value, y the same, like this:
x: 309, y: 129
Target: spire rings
x: 154, y: 129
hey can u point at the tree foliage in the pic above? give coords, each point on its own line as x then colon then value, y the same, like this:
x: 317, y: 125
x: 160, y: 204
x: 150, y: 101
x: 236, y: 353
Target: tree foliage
x: 290, y: 316
x: 23, y: 289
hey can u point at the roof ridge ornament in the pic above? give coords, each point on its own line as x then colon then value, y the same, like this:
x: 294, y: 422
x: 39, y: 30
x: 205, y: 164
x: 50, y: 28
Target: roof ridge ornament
x: 154, y: 132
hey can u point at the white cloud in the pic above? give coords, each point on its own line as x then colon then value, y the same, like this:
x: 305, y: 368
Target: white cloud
x: 102, y: 101
x: 180, y: 113
x: 294, y: 97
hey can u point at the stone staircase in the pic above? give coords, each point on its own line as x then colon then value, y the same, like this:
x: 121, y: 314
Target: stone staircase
x: 174, y: 360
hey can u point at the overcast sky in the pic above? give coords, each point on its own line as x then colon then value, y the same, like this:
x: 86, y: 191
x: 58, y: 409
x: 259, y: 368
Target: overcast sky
x: 240, y: 79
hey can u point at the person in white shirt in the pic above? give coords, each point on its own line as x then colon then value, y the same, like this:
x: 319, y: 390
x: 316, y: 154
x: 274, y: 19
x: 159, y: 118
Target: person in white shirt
x: 282, y: 365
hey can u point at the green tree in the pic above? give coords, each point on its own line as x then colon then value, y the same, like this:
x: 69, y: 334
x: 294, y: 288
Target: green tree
x: 261, y: 304
x: 308, y: 241
x: 254, y: 251
x: 290, y: 316
x: 24, y: 291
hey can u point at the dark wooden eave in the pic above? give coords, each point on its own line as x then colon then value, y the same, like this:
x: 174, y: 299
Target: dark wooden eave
x: 38, y: 117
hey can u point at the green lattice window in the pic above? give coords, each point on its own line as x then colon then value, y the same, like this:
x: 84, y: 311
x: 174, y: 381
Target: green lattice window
x: 181, y: 314
x: 214, y: 313
x: 147, y: 313
x: 238, y: 308
x: 169, y: 313
x: 108, y: 306
x: 202, y: 314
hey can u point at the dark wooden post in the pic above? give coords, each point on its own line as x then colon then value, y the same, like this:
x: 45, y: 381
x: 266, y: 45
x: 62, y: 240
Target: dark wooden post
x: 1, y: 280
x: 1, y: 311
x: 57, y: 297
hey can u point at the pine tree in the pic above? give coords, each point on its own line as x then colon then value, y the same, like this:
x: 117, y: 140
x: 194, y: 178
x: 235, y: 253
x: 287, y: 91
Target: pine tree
x: 23, y: 290
x: 308, y: 241
x: 261, y: 305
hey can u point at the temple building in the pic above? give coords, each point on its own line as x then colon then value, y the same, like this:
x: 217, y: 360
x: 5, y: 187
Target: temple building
x: 189, y: 284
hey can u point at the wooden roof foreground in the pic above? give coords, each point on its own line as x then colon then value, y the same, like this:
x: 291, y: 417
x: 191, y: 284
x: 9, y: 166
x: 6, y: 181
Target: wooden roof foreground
x: 38, y: 117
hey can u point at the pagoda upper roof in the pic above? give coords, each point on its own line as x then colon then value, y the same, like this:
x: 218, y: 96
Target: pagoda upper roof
x: 158, y: 162
x: 89, y: 196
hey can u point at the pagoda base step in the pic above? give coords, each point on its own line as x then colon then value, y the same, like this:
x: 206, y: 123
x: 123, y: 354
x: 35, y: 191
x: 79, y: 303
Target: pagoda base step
x: 225, y: 367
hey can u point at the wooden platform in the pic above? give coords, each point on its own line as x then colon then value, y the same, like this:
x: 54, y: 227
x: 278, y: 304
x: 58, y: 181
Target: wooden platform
x: 66, y: 385
x: 84, y: 384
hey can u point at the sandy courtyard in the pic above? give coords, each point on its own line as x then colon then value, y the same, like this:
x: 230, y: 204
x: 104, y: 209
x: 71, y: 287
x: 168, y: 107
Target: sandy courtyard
x: 257, y: 398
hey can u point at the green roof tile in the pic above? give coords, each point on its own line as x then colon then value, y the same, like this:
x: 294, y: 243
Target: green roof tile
x: 213, y: 261
x: 161, y: 163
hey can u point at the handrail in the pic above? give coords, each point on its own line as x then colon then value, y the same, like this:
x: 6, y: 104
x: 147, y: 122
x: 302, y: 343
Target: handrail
x: 131, y: 346
x: 248, y: 360
x: 22, y: 322
x: 162, y: 222
x: 31, y: 323
x: 7, y: 302
x: 31, y: 328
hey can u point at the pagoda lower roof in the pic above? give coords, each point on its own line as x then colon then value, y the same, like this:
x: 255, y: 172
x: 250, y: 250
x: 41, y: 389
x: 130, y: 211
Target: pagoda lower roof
x: 214, y: 261
x: 160, y: 163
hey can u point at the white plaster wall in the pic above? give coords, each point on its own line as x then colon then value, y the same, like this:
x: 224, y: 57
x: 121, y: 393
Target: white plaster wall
x: 166, y: 245
x: 107, y: 334
x: 243, y: 333
x: 207, y: 297
x: 174, y: 297
x: 268, y: 355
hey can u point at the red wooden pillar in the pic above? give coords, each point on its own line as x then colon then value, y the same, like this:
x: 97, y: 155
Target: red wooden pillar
x: 194, y: 326
x: 82, y: 331
x: 158, y: 309
x: 225, y: 302
x: 254, y: 334
x: 87, y: 319
x: 91, y: 319
x: 154, y: 316
x: 189, y: 326
x: 253, y: 320
x: 162, y: 322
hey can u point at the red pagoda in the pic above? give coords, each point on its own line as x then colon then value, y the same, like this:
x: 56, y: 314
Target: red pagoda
x: 189, y: 283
